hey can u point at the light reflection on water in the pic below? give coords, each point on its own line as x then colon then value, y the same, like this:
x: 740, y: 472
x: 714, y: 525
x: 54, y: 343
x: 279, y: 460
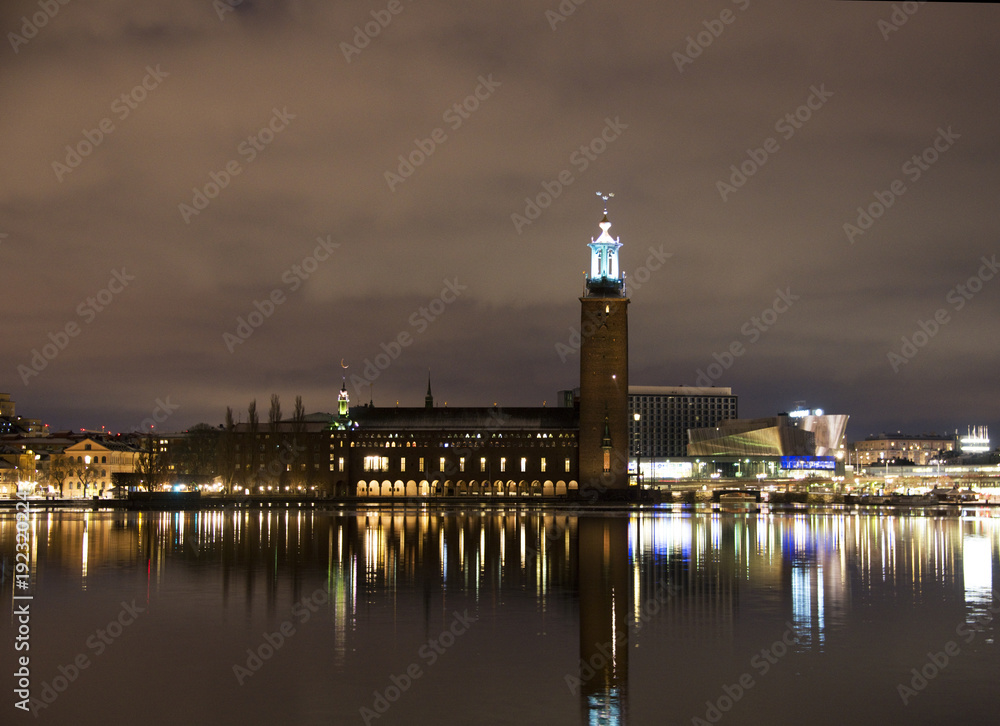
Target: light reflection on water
x: 611, y: 618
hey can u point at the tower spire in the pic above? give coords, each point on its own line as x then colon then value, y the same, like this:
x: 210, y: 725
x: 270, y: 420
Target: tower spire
x: 605, y: 197
x: 429, y: 398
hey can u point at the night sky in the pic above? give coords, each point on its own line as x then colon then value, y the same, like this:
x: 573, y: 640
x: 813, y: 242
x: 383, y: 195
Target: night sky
x: 291, y: 118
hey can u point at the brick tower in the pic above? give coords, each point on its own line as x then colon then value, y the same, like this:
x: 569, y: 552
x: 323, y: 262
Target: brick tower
x: 604, y: 369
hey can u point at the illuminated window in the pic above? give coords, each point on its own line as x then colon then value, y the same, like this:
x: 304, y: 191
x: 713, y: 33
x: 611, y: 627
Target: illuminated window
x: 340, y: 464
x: 461, y: 463
x: 503, y: 463
x: 607, y: 460
x: 543, y: 463
x: 442, y: 463
x: 420, y: 466
x: 524, y: 464
x: 567, y: 464
x: 482, y: 463
x: 402, y: 463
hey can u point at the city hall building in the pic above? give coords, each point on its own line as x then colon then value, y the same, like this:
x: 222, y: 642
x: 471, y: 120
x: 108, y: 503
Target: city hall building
x: 449, y: 451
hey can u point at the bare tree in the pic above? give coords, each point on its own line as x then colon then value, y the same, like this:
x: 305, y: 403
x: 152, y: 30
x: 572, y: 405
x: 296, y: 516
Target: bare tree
x: 271, y: 463
x: 87, y: 474
x: 151, y: 464
x: 299, y: 417
x: 60, y: 468
x: 298, y: 430
x: 252, y: 459
x: 227, y: 454
x: 274, y: 415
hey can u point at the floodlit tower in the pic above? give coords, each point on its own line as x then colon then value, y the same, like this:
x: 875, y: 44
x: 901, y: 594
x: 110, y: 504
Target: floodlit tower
x: 604, y: 368
x: 343, y: 400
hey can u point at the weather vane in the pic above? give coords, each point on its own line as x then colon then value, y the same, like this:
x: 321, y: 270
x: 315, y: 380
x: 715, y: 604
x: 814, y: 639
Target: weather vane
x: 605, y: 197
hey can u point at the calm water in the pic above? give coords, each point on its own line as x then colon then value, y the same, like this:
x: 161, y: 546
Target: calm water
x: 507, y: 615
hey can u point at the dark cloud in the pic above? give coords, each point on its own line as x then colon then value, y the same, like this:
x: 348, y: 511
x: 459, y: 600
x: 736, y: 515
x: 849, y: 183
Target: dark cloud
x: 323, y: 174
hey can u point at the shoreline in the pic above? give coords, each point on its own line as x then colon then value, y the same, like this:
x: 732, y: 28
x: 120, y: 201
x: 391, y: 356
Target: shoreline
x: 800, y: 502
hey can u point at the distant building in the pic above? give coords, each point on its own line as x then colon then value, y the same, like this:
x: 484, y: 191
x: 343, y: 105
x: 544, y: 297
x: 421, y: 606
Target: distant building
x: 11, y: 424
x: 771, y: 436
x: 976, y: 441
x: 92, y: 463
x: 661, y: 416
x: 18, y: 467
x: 829, y: 430
x: 797, y: 434
x: 919, y: 449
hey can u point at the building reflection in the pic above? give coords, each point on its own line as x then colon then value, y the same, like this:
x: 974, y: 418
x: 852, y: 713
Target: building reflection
x: 809, y: 569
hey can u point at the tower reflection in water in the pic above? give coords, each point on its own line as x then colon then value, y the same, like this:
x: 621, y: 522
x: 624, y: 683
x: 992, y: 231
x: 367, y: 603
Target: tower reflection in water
x: 604, y: 578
